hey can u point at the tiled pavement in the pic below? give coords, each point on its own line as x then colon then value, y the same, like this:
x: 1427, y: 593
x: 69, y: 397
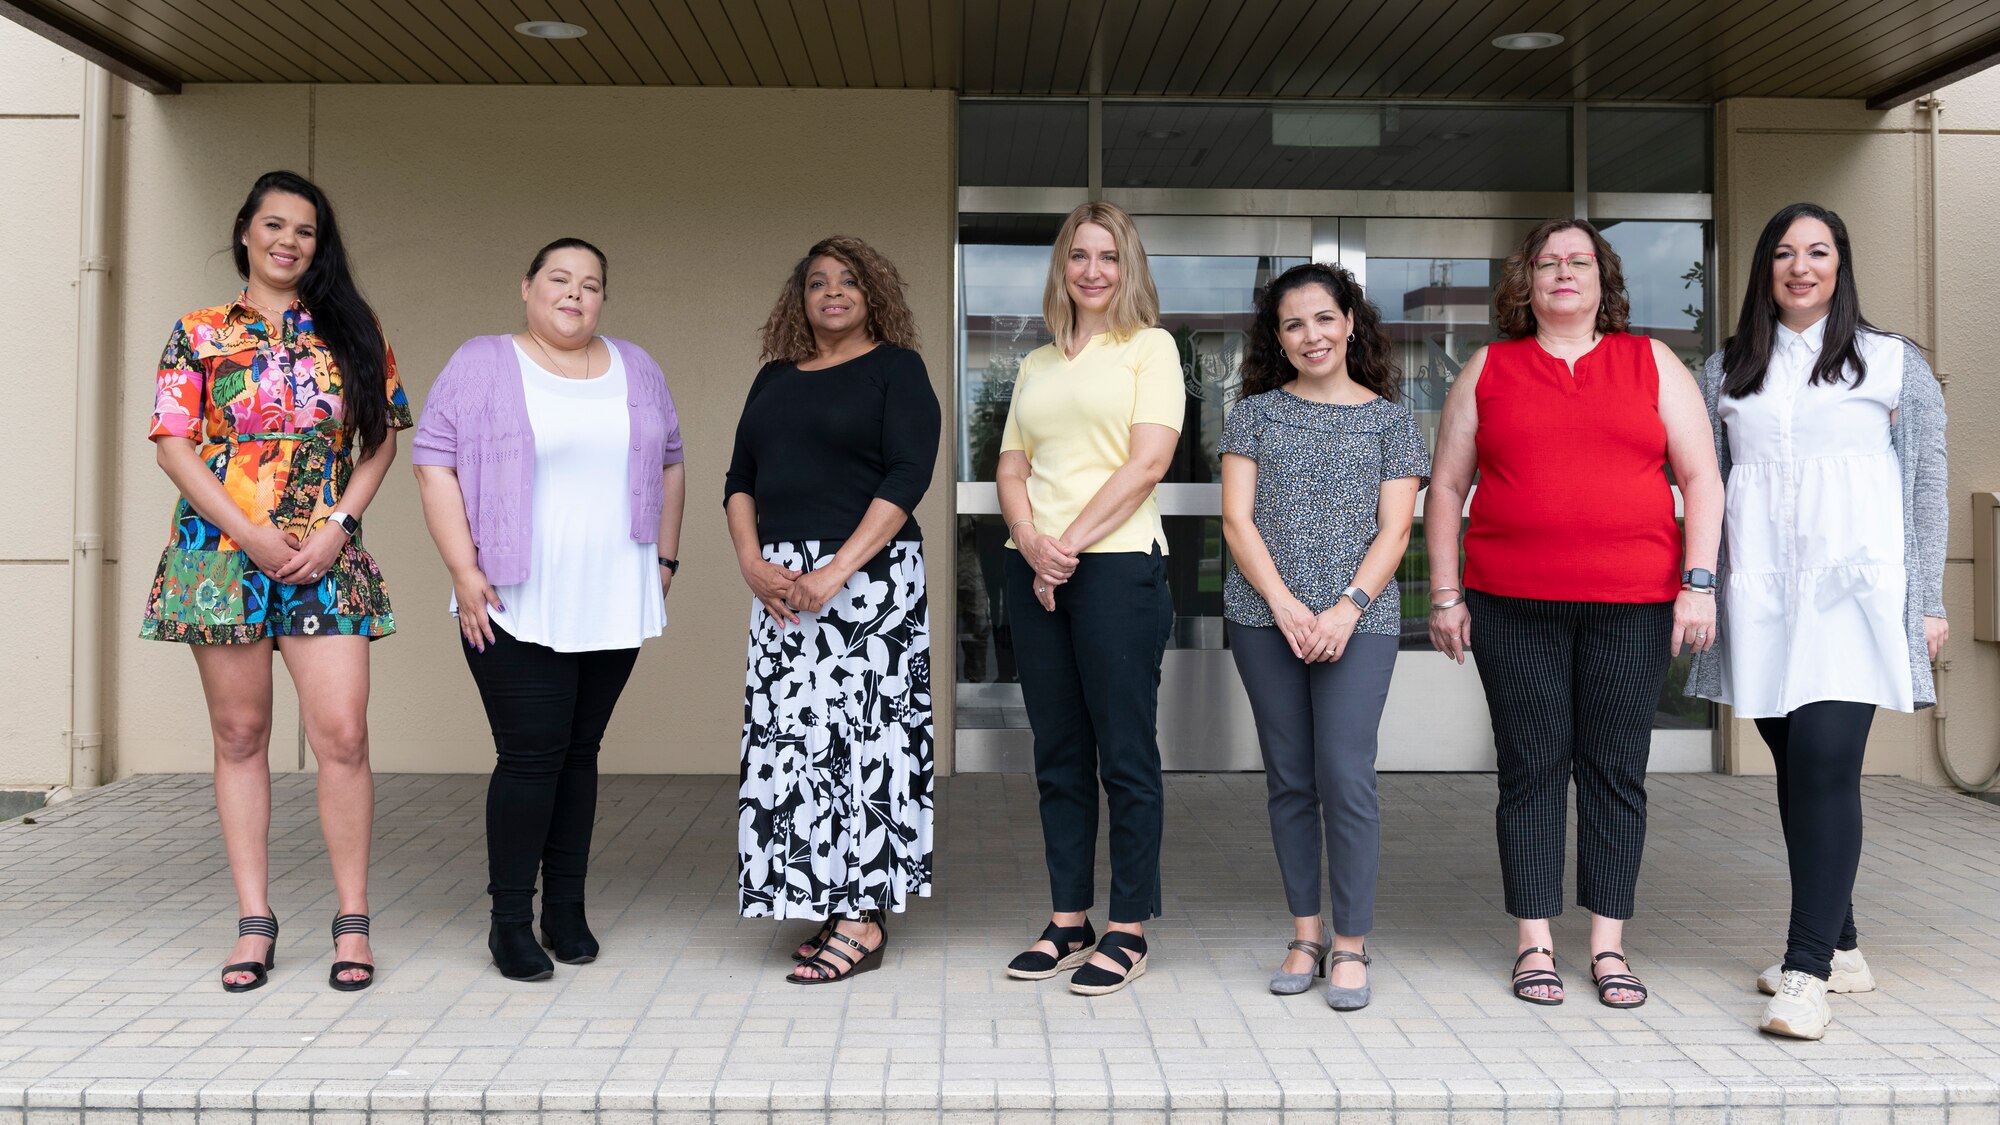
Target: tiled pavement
x: 115, y: 911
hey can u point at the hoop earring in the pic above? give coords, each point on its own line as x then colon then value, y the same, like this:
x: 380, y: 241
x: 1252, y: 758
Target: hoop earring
x: 1350, y: 337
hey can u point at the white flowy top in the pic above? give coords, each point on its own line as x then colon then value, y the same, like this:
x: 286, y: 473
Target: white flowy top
x: 590, y: 586
x: 1814, y: 526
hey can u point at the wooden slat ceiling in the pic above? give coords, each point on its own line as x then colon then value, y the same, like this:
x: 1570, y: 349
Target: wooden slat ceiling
x: 1662, y: 50
x: 1613, y: 50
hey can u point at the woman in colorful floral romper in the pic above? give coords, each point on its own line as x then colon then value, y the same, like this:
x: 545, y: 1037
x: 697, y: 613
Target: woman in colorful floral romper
x: 261, y: 403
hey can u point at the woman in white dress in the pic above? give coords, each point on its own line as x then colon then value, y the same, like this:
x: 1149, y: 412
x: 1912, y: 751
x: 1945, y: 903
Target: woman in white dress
x: 1830, y: 434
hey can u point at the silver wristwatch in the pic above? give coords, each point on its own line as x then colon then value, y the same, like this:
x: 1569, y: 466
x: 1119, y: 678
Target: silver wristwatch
x: 1358, y: 596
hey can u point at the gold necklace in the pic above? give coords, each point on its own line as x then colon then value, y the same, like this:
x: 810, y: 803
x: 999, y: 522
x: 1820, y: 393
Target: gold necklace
x: 557, y: 368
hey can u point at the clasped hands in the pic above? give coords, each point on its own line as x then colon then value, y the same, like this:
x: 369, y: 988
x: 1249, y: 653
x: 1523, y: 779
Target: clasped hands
x: 283, y: 558
x: 785, y: 593
x: 1316, y: 637
x: 1052, y: 558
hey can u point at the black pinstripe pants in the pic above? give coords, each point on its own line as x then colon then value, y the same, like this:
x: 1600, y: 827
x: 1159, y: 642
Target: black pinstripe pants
x: 1572, y: 687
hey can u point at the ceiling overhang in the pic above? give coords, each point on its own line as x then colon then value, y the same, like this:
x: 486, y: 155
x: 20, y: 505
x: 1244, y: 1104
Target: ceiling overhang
x: 1877, y: 51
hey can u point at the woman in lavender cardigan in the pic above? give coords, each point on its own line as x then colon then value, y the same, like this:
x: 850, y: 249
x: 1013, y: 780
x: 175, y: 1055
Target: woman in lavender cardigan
x: 550, y: 467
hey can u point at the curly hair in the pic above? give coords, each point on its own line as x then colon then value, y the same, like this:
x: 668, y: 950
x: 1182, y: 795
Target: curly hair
x: 787, y: 335
x: 1513, y: 297
x: 1370, y: 356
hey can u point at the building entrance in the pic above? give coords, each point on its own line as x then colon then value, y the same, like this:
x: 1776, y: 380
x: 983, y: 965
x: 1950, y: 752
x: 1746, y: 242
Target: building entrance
x: 1432, y: 280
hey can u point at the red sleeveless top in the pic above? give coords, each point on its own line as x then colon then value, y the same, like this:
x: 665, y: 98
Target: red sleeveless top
x: 1573, y: 503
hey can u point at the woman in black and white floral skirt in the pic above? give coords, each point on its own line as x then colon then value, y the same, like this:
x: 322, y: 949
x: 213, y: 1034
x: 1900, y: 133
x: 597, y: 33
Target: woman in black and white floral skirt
x: 835, y: 447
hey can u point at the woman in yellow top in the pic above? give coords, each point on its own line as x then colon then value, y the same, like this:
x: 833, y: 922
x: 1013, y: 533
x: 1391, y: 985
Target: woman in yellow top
x: 1091, y: 429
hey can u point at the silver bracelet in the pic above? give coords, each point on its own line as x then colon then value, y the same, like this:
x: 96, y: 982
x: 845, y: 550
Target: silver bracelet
x: 1452, y: 604
x: 1025, y: 519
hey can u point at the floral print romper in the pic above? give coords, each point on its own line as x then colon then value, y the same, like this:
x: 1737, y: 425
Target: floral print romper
x: 264, y: 404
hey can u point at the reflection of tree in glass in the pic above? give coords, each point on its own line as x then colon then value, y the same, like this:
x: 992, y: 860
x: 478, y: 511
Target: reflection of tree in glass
x: 1696, y: 278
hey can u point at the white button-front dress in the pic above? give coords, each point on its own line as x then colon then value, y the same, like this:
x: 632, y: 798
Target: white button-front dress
x: 1813, y: 605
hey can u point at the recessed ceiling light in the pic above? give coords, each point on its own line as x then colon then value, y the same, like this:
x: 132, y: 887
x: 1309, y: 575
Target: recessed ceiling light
x: 551, y: 29
x: 1527, y: 41
x: 1453, y: 136
x: 1161, y: 134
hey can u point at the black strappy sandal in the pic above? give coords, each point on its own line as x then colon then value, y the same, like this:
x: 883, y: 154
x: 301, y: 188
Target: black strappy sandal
x: 830, y: 973
x: 260, y: 971
x: 1129, y: 950
x: 1073, y: 944
x: 344, y: 924
x: 1525, y: 979
x: 816, y: 942
x: 1623, y: 981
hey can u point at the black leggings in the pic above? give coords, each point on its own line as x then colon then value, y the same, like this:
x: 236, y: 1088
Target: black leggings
x: 548, y: 710
x: 1818, y: 750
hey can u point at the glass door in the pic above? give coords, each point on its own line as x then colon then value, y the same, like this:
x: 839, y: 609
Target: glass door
x: 1432, y: 280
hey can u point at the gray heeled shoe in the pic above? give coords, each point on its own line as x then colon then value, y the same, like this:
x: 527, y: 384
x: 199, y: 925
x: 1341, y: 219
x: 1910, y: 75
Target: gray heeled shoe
x: 1347, y: 999
x: 1291, y: 984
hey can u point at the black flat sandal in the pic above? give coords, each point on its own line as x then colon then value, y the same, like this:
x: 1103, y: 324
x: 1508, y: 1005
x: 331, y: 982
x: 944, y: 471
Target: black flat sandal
x: 868, y: 960
x: 1129, y: 950
x: 1525, y: 979
x: 260, y: 971
x: 1072, y: 942
x: 343, y: 925
x: 1623, y: 981
x: 810, y: 947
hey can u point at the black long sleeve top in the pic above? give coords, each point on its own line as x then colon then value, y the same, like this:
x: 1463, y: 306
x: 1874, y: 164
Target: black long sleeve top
x: 815, y: 448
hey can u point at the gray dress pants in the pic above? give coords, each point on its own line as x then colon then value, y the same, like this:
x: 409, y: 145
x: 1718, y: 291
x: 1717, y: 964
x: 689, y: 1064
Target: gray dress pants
x: 1316, y: 725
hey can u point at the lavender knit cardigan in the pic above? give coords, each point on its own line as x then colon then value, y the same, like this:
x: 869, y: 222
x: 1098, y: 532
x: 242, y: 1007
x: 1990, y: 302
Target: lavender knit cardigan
x: 475, y: 422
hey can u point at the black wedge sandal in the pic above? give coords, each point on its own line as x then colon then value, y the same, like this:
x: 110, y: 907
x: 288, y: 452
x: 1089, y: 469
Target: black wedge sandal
x: 1129, y: 950
x: 868, y: 960
x: 344, y: 924
x: 1073, y: 945
x: 1622, y: 981
x: 810, y: 947
x: 260, y: 971
x: 1525, y: 979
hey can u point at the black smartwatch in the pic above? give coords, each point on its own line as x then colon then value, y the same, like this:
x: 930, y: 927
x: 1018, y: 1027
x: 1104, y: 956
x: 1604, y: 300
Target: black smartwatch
x: 673, y: 565
x: 1699, y: 580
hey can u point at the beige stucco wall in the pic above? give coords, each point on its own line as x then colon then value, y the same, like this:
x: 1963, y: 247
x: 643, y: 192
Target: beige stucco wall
x: 41, y: 92
x: 701, y: 198
x: 1873, y: 168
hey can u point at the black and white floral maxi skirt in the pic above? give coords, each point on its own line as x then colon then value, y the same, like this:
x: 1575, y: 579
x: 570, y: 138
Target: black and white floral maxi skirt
x: 834, y: 815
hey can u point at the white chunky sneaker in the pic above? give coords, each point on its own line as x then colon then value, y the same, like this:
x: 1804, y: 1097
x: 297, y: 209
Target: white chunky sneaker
x: 1850, y: 974
x: 1799, y: 1009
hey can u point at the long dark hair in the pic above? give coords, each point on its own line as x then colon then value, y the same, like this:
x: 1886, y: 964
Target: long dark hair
x: 1370, y: 358
x: 340, y: 315
x: 1747, y: 354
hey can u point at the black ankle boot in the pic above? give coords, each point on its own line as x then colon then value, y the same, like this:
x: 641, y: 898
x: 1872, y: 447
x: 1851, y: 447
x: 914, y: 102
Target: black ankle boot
x: 515, y: 952
x: 566, y: 934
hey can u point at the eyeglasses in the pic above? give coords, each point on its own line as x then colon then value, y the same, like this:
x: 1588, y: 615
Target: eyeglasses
x: 1578, y: 263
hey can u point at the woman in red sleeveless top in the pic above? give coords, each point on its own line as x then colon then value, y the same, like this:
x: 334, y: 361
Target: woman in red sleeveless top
x: 1577, y: 582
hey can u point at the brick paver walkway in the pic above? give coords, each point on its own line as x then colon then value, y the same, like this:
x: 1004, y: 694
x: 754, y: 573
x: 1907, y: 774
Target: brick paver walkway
x: 116, y: 909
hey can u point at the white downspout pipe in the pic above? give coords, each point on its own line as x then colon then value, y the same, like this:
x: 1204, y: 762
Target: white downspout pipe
x: 93, y: 395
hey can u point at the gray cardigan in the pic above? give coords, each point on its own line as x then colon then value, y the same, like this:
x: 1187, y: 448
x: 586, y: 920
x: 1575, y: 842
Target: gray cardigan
x: 1918, y: 437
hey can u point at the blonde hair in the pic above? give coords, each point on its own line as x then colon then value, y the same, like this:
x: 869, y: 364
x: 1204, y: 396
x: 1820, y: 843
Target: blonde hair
x: 1135, y: 303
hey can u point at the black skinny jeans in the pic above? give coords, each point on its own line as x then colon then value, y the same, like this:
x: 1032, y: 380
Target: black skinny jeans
x: 1090, y: 678
x: 548, y: 711
x: 1818, y: 750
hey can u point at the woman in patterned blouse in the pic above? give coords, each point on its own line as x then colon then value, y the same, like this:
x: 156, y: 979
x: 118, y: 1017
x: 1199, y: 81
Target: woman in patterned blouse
x: 1320, y: 472
x: 260, y: 404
